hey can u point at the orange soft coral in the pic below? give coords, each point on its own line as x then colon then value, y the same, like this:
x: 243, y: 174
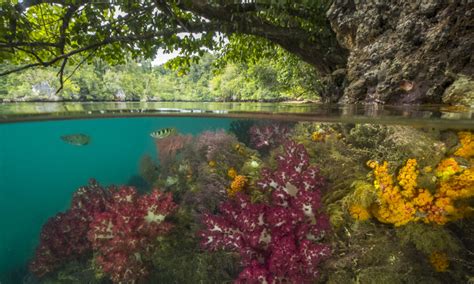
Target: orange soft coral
x: 401, y: 201
x: 393, y: 207
x: 447, y: 167
x: 232, y: 173
x: 359, y: 213
x: 460, y: 186
x: 440, y: 261
x: 407, y: 178
x: 237, y: 185
x: 212, y: 164
x: 318, y: 136
x: 466, y: 138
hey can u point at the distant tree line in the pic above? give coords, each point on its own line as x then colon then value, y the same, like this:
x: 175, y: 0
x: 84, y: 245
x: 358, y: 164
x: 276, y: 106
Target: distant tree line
x: 285, y: 77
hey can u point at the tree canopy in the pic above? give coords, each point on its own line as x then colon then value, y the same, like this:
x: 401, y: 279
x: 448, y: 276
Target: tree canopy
x: 70, y: 32
x: 283, y: 78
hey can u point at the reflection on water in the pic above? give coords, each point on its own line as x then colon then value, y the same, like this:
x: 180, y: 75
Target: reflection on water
x: 441, y: 116
x: 246, y: 200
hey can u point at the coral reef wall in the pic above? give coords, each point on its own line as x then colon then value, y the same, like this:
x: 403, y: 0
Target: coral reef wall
x: 406, y: 51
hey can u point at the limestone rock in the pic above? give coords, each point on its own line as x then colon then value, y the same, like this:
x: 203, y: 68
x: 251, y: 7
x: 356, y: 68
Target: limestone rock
x: 461, y: 92
x: 405, y: 51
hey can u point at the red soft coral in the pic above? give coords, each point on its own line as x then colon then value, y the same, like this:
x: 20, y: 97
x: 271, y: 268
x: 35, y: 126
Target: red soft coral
x: 124, y: 234
x: 117, y: 225
x: 279, y: 241
x: 63, y: 237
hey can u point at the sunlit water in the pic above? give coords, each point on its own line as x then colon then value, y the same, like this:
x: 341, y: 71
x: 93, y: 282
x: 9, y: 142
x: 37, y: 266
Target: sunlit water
x: 39, y: 173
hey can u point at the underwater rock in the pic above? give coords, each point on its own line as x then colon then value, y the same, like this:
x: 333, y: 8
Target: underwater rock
x: 428, y: 239
x: 139, y: 183
x: 376, y: 255
x: 177, y: 259
x: 76, y: 139
x: 71, y: 272
x: 148, y: 169
x: 396, y: 144
x: 240, y: 128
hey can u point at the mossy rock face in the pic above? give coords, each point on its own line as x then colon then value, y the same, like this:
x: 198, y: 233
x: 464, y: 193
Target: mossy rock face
x: 461, y: 92
x: 376, y: 275
x: 402, y: 52
x: 340, y: 277
x: 75, y: 272
x: 429, y: 238
x: 179, y: 259
x: 396, y: 144
x: 374, y: 253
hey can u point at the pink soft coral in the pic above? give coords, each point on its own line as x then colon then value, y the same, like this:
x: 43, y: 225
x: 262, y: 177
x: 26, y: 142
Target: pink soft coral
x: 168, y: 147
x: 269, y: 135
x: 63, y: 237
x: 124, y: 234
x: 116, y: 225
x: 279, y: 241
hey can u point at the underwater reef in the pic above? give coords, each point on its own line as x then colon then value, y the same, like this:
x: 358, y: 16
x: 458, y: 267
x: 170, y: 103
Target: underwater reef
x: 279, y: 240
x: 271, y: 202
x: 112, y: 228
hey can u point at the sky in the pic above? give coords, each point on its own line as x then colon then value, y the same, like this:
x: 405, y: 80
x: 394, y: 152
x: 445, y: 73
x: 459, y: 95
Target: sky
x: 162, y: 58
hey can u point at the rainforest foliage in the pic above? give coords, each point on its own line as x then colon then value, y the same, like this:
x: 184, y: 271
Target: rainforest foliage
x: 65, y: 34
x: 284, y: 78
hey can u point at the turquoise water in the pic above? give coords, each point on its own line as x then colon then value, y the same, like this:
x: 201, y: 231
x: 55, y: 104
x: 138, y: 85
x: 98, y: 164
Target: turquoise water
x: 39, y: 172
x: 229, y: 187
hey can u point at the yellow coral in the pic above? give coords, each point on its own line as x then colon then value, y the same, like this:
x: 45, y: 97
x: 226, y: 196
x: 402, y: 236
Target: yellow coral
x: 407, y: 178
x: 423, y: 199
x: 466, y: 138
x: 237, y: 185
x: 440, y: 261
x: 238, y: 147
x: 383, y: 179
x: 447, y: 167
x: 392, y: 207
x: 359, y: 213
x: 402, y: 201
x: 232, y: 173
x: 318, y: 136
x: 212, y: 164
x: 458, y: 187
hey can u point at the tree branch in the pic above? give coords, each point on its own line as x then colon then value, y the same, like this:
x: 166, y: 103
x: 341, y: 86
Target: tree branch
x: 325, y: 54
x: 79, y: 65
x: 132, y: 38
x: 8, y: 45
x: 62, y: 31
x: 32, y: 53
x: 61, y: 74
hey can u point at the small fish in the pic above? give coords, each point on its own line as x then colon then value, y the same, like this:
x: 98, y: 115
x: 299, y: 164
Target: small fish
x: 76, y: 139
x: 163, y: 133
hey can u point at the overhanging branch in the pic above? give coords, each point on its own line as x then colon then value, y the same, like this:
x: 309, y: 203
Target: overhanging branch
x: 131, y: 38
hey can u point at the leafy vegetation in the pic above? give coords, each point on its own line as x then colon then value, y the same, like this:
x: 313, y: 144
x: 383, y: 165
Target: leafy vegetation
x: 285, y: 77
x: 67, y: 33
